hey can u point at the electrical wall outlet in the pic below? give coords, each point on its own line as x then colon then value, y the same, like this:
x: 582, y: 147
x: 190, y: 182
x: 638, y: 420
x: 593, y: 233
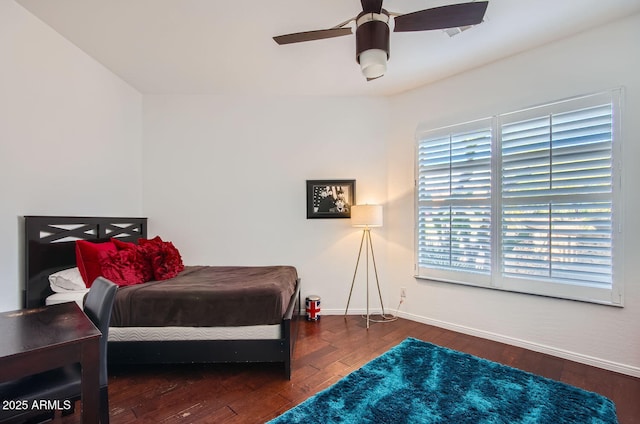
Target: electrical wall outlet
x: 403, y: 292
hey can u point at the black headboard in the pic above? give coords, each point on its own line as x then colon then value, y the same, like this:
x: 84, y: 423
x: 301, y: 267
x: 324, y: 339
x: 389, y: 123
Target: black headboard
x: 50, y: 246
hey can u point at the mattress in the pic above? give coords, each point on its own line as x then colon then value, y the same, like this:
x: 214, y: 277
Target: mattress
x: 143, y: 334
x: 245, y: 332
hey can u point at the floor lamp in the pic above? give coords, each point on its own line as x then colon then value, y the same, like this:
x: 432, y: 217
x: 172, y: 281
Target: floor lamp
x: 366, y: 217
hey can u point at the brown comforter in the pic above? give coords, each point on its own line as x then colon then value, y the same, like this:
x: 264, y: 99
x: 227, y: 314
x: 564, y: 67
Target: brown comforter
x: 208, y: 296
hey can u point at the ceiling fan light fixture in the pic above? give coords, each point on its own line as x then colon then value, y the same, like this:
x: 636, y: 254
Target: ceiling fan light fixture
x: 372, y: 43
x: 373, y: 63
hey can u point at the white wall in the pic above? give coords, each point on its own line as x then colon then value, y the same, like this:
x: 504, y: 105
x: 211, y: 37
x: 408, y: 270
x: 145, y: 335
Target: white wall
x: 601, y: 59
x: 224, y: 179
x: 70, y: 137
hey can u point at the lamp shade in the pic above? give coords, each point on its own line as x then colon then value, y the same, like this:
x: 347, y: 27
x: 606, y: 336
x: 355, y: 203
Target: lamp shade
x: 366, y: 216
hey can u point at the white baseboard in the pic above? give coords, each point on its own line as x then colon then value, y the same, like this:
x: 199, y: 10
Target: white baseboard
x: 536, y: 347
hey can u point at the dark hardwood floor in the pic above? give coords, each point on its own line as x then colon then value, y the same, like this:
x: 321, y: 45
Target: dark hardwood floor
x: 326, y: 351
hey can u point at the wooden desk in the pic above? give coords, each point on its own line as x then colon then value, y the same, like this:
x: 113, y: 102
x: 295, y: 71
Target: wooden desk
x: 37, y: 340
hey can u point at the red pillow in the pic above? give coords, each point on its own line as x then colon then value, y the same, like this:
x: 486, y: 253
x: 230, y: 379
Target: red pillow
x: 121, y: 245
x: 141, y: 263
x: 163, y: 256
x: 123, y: 267
x: 87, y: 258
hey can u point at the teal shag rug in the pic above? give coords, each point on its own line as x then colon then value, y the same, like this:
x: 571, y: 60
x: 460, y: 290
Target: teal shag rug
x: 418, y: 382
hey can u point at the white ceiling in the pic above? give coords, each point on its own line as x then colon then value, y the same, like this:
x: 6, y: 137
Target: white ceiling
x: 222, y: 47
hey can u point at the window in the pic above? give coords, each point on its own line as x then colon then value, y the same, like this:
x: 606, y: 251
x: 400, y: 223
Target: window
x: 525, y: 201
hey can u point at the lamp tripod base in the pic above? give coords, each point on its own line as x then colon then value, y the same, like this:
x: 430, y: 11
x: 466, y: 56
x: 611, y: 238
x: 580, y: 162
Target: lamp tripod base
x: 366, y: 242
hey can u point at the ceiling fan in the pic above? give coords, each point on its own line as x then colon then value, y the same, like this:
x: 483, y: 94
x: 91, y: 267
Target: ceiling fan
x: 372, y: 29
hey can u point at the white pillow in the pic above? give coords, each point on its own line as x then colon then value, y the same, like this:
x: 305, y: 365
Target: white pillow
x: 67, y: 280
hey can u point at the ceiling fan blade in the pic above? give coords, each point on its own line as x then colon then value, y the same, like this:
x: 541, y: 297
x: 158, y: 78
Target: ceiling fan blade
x: 371, y: 6
x: 300, y: 37
x: 452, y: 16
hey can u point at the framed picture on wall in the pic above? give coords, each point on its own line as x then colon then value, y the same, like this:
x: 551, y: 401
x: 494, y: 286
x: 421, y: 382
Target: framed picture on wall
x: 330, y: 198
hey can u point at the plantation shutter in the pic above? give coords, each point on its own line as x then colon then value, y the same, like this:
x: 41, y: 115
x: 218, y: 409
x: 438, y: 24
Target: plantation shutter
x: 527, y: 201
x: 557, y: 197
x: 454, y: 202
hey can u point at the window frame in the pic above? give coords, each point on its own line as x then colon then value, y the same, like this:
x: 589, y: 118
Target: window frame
x: 496, y: 280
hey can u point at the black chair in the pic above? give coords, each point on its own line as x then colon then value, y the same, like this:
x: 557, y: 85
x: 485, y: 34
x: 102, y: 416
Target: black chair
x: 64, y: 384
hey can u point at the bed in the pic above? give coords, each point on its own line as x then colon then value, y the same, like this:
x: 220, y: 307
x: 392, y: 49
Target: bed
x: 220, y: 333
